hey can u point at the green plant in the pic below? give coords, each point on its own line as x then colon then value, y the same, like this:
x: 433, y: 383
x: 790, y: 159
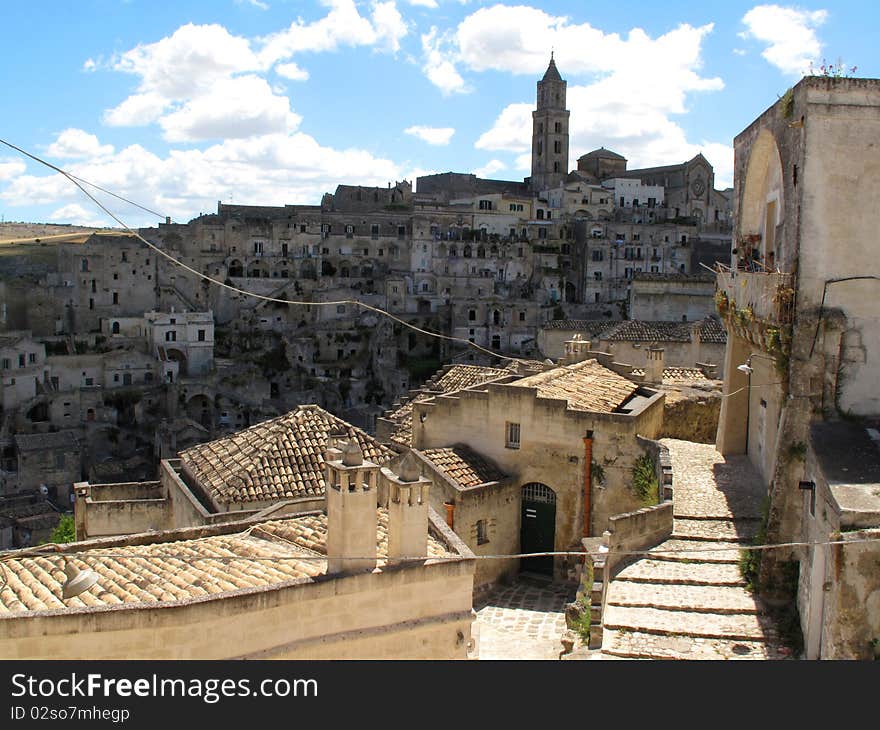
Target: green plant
x: 787, y: 102
x: 750, y: 560
x: 65, y: 531
x: 645, y: 484
x: 581, y: 624
x: 597, y: 473
x: 797, y: 450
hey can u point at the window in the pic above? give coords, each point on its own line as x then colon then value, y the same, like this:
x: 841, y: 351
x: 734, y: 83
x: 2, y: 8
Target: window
x: 85, y: 265
x: 90, y: 382
x: 557, y: 147
x: 540, y: 214
x: 401, y: 231
x: 512, y: 441
x: 32, y: 357
x: 115, y: 277
x: 598, y: 255
x: 340, y: 309
x: 542, y: 233
x: 597, y: 275
x: 124, y: 256
x: 482, y: 532
x: 522, y: 316
x: 472, y: 315
x: 374, y: 231
x: 485, y: 205
x: 325, y: 230
x: 201, y: 335
x: 349, y: 231
x: 258, y: 247
x: 21, y: 361
x: 6, y: 363
x: 557, y: 127
x: 116, y: 297
x: 171, y: 336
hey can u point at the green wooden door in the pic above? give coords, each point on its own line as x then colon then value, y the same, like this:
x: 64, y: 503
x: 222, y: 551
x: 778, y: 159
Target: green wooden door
x: 538, y: 532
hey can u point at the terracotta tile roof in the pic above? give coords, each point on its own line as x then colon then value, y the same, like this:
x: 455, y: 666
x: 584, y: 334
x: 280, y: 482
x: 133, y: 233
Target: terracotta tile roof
x: 587, y: 386
x: 678, y: 374
x: 183, y: 570
x: 39, y: 441
x: 463, y: 465
x: 282, y: 458
x: 706, y: 276
x: 711, y: 331
x: 593, y: 326
x: 447, y: 380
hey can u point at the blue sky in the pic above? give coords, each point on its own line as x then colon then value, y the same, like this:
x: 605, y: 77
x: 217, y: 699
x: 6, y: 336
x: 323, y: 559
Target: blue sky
x: 178, y: 105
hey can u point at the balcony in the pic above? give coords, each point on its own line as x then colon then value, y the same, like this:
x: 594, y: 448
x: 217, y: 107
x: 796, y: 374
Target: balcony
x: 768, y: 294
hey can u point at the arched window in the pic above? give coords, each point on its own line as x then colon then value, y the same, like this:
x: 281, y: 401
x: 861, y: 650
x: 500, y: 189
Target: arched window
x: 115, y: 328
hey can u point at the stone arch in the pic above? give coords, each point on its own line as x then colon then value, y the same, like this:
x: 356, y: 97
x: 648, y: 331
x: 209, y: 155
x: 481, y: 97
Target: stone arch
x: 762, y: 198
x: 201, y: 410
x: 178, y: 357
x: 236, y: 268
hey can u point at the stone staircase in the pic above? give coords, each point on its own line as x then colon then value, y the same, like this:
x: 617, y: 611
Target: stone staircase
x: 688, y: 599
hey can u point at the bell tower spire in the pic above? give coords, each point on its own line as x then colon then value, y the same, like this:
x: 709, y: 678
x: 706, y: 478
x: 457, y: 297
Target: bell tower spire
x: 550, y: 131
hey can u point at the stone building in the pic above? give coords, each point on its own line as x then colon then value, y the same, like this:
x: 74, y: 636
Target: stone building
x: 282, y: 588
x: 685, y: 344
x: 559, y: 445
x: 799, y: 304
x: 23, y: 371
x: 674, y: 297
x: 51, y: 460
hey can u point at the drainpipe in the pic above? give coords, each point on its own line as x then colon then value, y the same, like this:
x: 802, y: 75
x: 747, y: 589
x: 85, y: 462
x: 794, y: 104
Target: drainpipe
x: 450, y: 514
x: 588, y: 478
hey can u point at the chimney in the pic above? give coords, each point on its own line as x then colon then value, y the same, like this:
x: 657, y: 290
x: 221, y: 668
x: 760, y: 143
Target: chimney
x: 696, y: 342
x: 350, y: 486
x: 654, y: 364
x: 576, y: 350
x: 407, y: 510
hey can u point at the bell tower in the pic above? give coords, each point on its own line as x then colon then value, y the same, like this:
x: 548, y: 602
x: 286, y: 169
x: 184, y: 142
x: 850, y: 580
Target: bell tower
x: 550, y: 132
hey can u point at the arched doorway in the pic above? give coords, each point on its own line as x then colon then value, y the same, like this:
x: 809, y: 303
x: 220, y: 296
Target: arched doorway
x: 538, y: 530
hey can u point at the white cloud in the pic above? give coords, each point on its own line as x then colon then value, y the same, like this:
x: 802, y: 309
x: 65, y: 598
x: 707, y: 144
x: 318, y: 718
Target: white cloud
x: 76, y: 215
x: 254, y: 3
x: 439, y: 66
x: 11, y: 168
x: 90, y: 64
x: 431, y: 135
x: 790, y: 34
x: 634, y: 83
x: 512, y: 131
x: 490, y: 168
x: 292, y: 71
x: 342, y: 26
x: 137, y: 110
x: 243, y: 106
x: 77, y: 144
x: 423, y: 3
x: 189, y: 61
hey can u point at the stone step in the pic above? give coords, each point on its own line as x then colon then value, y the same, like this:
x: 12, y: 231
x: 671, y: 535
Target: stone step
x: 747, y: 627
x: 694, y: 598
x: 677, y: 573
x: 714, y: 530
x: 638, y: 645
x: 693, y: 551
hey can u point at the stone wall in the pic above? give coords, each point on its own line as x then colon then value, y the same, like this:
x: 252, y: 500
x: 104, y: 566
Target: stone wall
x: 634, y: 531
x: 691, y: 415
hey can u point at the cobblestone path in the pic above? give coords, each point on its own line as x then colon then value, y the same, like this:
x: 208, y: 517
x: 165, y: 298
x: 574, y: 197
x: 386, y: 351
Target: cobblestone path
x: 523, y: 621
x: 694, y: 605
